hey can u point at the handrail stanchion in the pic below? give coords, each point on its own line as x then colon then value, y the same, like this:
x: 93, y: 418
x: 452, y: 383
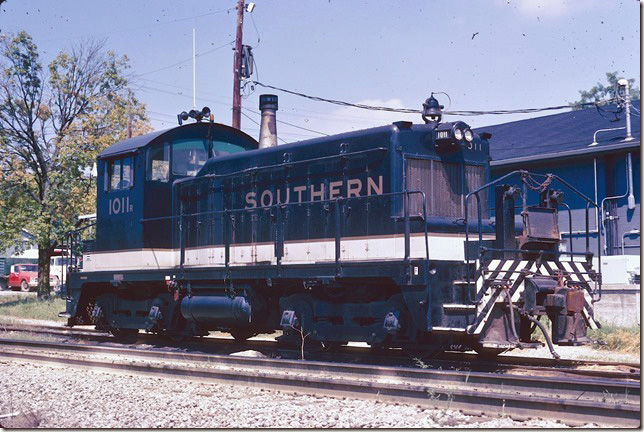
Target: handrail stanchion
x: 425, y: 227
x: 279, y: 237
x: 570, y: 235
x: 338, y: 249
x: 182, y: 249
x: 225, y: 220
x: 480, y: 219
x: 467, y: 254
x: 599, y: 255
x: 407, y: 227
x: 587, y: 228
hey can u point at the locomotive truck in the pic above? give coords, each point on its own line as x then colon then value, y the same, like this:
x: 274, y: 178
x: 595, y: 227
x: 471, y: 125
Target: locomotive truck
x: 393, y: 236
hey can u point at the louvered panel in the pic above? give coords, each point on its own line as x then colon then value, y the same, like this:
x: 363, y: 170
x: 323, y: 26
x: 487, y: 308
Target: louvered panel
x: 445, y: 186
x: 419, y: 178
x: 474, y: 179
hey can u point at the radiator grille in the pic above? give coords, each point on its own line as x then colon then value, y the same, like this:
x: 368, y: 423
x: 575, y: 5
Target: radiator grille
x: 445, y: 185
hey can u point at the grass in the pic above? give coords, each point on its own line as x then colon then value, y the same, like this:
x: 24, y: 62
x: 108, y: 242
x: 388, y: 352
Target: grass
x: 31, y: 308
x: 625, y: 340
x: 610, y: 338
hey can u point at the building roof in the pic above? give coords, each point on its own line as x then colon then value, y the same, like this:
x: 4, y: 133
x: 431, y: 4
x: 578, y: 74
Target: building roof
x: 561, y: 135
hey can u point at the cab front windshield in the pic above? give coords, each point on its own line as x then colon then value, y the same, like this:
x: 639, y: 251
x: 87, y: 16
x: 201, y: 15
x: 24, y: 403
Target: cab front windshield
x: 190, y: 155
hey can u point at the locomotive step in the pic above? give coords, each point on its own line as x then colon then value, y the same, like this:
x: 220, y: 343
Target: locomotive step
x: 457, y: 307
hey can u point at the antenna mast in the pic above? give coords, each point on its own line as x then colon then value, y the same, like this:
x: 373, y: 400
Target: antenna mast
x: 194, y: 71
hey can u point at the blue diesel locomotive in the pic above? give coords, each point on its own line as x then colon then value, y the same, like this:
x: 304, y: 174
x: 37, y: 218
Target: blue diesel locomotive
x: 384, y: 236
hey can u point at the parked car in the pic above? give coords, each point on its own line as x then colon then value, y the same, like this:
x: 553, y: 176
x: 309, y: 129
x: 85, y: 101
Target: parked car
x: 23, y: 277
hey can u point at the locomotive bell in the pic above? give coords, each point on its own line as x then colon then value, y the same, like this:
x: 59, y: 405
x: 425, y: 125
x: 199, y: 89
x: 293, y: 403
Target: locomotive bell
x: 432, y: 110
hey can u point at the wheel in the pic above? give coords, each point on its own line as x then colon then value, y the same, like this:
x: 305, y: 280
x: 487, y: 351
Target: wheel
x: 3, y: 285
x: 123, y: 333
x: 489, y: 353
x: 24, y: 286
x: 242, y: 335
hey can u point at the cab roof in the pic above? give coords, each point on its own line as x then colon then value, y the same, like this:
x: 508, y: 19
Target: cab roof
x: 131, y: 145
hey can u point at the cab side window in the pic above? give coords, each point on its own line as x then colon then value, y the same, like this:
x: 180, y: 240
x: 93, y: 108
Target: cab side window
x: 159, y: 163
x: 121, y: 173
x: 188, y: 156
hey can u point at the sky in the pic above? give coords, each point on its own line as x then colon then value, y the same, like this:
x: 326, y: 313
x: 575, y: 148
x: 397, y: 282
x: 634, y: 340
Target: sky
x: 485, y: 54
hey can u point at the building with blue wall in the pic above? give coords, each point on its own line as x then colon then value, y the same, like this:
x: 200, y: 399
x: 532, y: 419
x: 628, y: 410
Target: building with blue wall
x: 563, y: 144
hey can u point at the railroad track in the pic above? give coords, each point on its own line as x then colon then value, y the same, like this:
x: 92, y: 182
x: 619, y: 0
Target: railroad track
x: 574, y: 401
x: 352, y: 354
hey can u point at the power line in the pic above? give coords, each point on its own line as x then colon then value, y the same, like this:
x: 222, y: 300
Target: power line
x: 292, y: 125
x: 145, y: 26
x: 186, y: 60
x: 417, y: 111
x: 144, y: 88
x: 256, y: 31
x: 339, y: 102
x: 251, y: 119
x: 341, y: 118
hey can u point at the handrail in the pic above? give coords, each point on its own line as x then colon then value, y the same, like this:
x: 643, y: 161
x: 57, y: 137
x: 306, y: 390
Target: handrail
x: 523, y: 174
x: 279, y: 207
x: 250, y: 170
x: 569, y: 225
x: 71, y: 244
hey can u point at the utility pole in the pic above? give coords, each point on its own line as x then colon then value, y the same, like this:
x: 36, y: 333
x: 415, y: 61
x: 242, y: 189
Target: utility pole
x: 237, y: 67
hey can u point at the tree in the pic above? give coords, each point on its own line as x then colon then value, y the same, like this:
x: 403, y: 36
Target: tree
x: 53, y: 123
x: 601, y: 92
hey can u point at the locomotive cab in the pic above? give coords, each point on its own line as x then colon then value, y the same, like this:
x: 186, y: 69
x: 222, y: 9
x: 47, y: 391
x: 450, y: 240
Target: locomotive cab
x: 134, y: 183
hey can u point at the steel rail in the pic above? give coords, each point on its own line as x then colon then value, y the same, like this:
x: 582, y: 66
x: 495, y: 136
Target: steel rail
x: 470, y: 392
x: 448, y: 360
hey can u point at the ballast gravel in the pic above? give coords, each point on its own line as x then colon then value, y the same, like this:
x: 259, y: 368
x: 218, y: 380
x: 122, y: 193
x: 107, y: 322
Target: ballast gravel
x: 55, y: 397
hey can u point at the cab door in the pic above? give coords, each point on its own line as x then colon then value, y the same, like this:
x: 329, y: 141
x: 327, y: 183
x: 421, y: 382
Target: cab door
x: 157, y: 200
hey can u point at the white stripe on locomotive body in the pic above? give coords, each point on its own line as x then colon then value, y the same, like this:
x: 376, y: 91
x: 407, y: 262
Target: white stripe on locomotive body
x: 138, y: 259
x: 442, y: 247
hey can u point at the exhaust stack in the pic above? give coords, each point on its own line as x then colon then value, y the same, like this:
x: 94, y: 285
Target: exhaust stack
x: 268, y: 126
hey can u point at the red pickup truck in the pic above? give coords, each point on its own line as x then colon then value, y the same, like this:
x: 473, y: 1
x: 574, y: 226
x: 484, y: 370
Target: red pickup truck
x: 23, y: 276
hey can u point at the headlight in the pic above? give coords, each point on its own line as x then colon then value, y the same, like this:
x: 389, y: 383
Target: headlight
x: 469, y: 136
x: 458, y: 134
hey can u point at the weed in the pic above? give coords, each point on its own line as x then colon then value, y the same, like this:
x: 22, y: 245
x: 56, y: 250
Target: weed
x: 617, y: 339
x: 32, y: 308
x: 421, y: 364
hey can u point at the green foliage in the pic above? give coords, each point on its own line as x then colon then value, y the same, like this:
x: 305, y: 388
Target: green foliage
x: 601, y: 92
x: 53, y: 123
